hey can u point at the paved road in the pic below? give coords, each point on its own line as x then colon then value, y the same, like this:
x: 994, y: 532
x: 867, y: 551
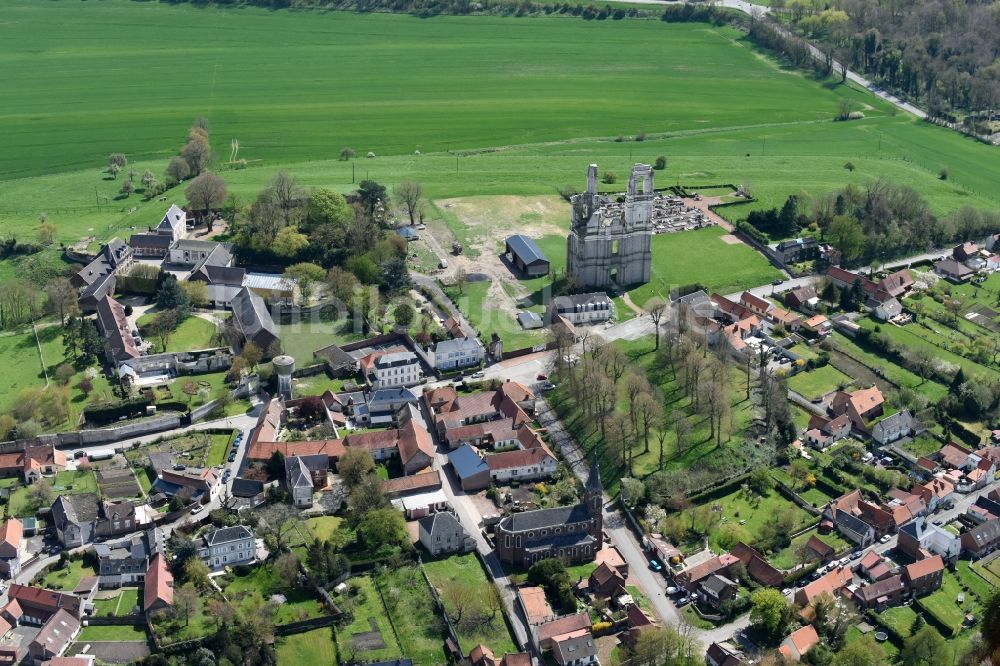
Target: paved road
x: 652, y: 584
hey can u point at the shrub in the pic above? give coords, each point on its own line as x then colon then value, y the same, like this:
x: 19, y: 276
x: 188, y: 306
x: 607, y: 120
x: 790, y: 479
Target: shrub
x: 641, y: 136
x: 661, y: 163
x: 943, y: 174
x: 609, y: 177
x: 619, y: 138
x: 849, y: 166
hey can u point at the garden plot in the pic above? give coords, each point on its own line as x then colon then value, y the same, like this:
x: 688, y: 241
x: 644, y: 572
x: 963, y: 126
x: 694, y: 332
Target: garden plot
x: 118, y: 483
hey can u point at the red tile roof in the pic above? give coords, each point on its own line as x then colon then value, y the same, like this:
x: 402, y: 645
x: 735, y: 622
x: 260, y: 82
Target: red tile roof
x: 414, y: 439
x: 11, y: 533
x: 519, y: 458
x: 804, y: 639
x: 925, y: 567
x: 159, y: 585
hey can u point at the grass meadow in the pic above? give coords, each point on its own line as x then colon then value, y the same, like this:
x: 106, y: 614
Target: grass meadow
x: 494, y: 105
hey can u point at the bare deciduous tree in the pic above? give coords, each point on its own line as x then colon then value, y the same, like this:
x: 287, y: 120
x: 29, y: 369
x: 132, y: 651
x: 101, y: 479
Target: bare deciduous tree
x: 408, y: 195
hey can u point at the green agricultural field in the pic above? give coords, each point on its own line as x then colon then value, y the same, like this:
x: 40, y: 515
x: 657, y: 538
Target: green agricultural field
x: 816, y: 383
x: 441, y: 84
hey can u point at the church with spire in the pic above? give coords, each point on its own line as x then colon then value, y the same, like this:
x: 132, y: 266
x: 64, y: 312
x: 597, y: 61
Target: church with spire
x: 571, y: 533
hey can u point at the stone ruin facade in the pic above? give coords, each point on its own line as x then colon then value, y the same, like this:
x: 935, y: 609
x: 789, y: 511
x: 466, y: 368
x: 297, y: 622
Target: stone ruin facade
x: 610, y: 239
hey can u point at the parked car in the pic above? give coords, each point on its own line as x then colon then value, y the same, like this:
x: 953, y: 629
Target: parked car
x: 197, y: 509
x: 232, y: 456
x: 885, y: 539
x: 548, y: 386
x: 542, y: 376
x: 655, y: 566
x: 683, y: 601
x: 673, y: 590
x: 777, y: 281
x: 478, y: 375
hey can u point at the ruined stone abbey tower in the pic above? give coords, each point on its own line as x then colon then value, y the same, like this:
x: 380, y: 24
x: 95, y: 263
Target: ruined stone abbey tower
x: 610, y: 239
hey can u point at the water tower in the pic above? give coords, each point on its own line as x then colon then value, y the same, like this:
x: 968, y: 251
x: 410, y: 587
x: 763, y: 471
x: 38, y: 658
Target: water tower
x: 284, y: 366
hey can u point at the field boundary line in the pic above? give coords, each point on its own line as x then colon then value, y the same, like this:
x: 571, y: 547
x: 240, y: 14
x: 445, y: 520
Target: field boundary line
x: 41, y: 357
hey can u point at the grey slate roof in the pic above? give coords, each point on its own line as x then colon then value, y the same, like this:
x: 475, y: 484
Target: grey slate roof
x: 297, y: 473
x: 154, y: 241
x: 219, y: 257
x: 251, y: 315
x: 457, y: 344
x: 227, y: 275
x: 596, y: 300
x: 227, y: 535
x: 442, y: 520
x: 556, y: 516
x: 525, y: 248
x: 246, y: 487
x: 77, y: 509
x: 852, y: 523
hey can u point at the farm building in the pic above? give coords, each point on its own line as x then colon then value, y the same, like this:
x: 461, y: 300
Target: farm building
x: 524, y: 255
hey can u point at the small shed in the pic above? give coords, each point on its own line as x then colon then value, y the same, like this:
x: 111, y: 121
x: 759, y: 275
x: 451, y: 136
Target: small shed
x: 529, y: 320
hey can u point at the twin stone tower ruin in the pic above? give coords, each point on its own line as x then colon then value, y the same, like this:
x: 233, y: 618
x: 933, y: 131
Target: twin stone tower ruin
x: 610, y: 238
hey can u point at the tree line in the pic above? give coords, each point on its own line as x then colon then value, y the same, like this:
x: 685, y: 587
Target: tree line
x: 943, y: 54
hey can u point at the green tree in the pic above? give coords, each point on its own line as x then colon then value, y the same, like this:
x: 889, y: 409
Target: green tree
x: 354, y: 466
x: 372, y: 195
x: 326, y: 207
x: 768, y: 610
x: 171, y: 296
x: 306, y: 275
x: 403, y: 315
x: 925, y: 648
x: 383, y: 529
x: 289, y: 242
x: 861, y: 651
x: 845, y: 234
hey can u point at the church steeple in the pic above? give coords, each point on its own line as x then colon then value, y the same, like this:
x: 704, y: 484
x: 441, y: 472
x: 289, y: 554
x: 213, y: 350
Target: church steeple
x: 594, y: 480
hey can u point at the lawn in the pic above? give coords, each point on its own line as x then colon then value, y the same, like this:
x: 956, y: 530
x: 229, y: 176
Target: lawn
x: 474, y: 302
x: 68, y: 577
x: 421, y: 631
x: 918, y: 336
x: 125, y: 632
x: 202, y: 449
x: 310, y: 647
x: 299, y: 340
x: 366, y: 612
x: 23, y: 369
x: 942, y: 603
x: 191, y: 334
x: 323, y: 527
x: 66, y: 482
x: 702, y: 257
x: 467, y: 570
x: 816, y: 383
x: 738, y: 506
x: 899, y: 618
x: 121, y: 604
x: 259, y: 585
x: 218, y: 449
